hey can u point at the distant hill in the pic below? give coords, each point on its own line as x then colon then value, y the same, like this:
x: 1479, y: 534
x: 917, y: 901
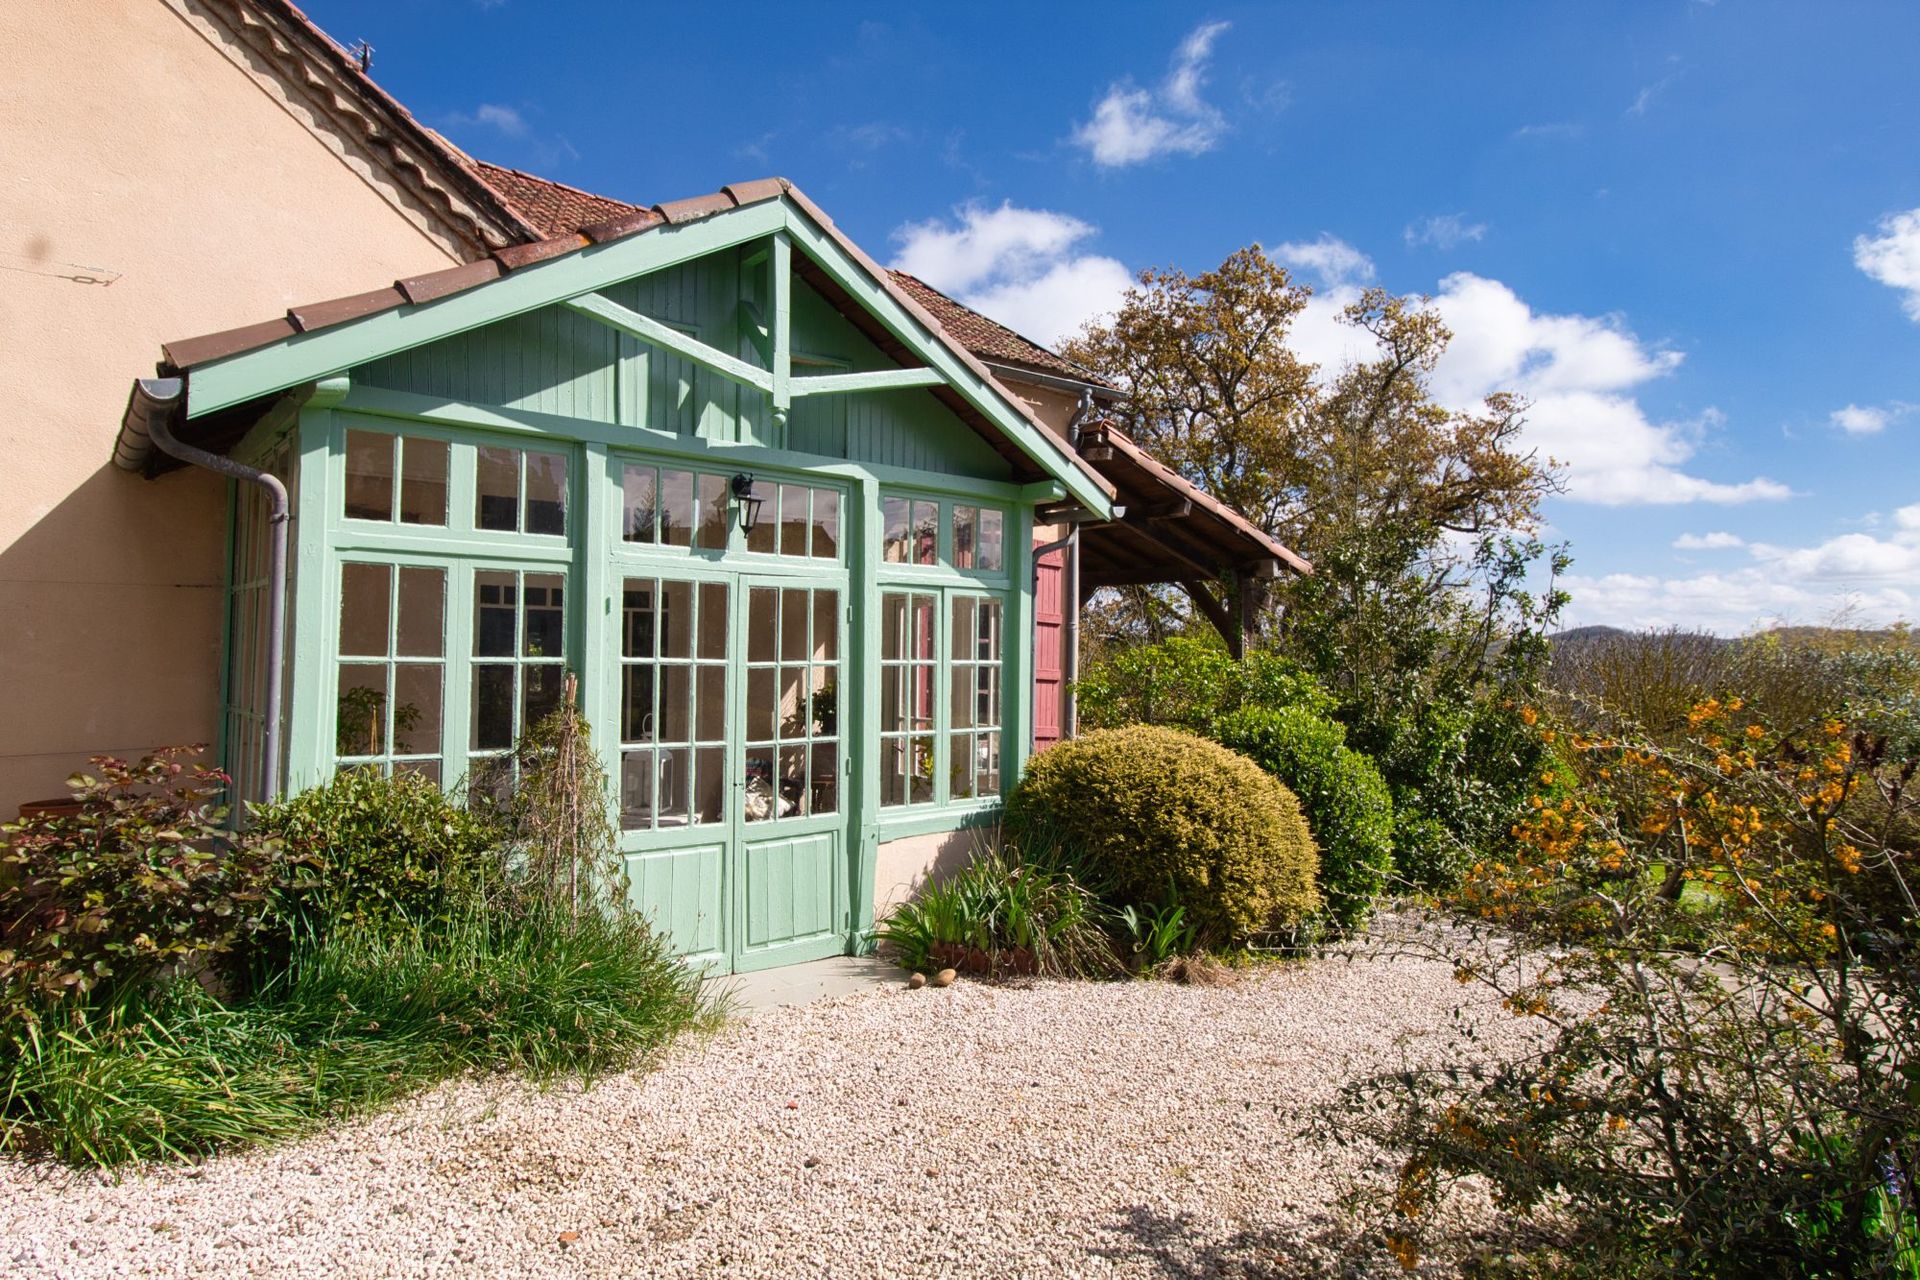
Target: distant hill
x: 1577, y: 638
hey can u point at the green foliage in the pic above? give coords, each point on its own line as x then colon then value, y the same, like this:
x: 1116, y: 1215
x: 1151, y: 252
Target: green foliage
x: 1345, y: 799
x: 1152, y: 936
x: 387, y: 851
x: 1154, y: 815
x: 144, y: 877
x: 1189, y: 682
x: 353, y: 1024
x: 1022, y: 915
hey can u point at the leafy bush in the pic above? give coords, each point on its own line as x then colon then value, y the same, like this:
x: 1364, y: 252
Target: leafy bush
x: 144, y: 877
x: 1153, y: 815
x: 1729, y: 1029
x: 1188, y: 683
x: 1346, y: 800
x: 387, y: 851
x: 1002, y: 914
x: 355, y: 1023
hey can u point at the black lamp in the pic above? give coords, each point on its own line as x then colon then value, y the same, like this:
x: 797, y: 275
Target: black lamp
x: 742, y: 488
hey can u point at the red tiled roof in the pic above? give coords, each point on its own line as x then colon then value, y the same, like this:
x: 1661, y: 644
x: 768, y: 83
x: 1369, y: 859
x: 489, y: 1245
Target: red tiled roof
x: 988, y: 338
x: 554, y: 208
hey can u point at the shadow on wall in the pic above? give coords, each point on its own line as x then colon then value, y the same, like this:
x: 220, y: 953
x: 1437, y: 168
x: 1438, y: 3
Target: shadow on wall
x: 907, y: 865
x: 111, y: 610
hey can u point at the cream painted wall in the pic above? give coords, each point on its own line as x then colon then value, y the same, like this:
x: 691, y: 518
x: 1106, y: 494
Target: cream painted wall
x: 904, y: 865
x: 152, y: 190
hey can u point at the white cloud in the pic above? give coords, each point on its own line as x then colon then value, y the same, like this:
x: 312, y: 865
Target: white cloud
x: 1559, y: 129
x: 1332, y: 260
x: 1131, y: 124
x: 1022, y: 267
x: 493, y: 116
x: 1444, y: 231
x: 1874, y: 581
x: 1708, y: 542
x: 1893, y: 256
x: 1860, y: 420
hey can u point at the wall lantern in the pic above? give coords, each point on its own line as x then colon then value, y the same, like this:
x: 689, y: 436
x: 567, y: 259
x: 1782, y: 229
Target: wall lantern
x: 742, y: 487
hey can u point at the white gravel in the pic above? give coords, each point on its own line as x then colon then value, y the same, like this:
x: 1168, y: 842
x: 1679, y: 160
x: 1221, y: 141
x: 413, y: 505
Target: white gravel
x: 1117, y: 1129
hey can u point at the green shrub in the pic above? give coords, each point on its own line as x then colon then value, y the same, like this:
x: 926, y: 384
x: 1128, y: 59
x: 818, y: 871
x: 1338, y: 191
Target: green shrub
x: 1188, y: 683
x: 1018, y: 916
x: 1346, y: 800
x: 354, y: 1023
x: 387, y: 851
x: 144, y: 877
x: 1152, y: 815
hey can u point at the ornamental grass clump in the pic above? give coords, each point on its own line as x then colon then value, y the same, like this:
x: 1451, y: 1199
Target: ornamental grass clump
x: 1003, y: 915
x: 1154, y: 816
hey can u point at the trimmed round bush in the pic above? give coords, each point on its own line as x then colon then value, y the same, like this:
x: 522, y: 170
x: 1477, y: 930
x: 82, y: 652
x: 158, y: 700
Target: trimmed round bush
x: 1346, y: 801
x: 1149, y: 814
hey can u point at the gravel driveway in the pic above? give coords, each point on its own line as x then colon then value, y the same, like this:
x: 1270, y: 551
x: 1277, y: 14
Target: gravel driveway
x: 1124, y: 1129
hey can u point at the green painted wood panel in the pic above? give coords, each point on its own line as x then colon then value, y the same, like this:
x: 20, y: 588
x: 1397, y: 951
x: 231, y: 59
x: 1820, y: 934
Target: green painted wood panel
x: 682, y: 891
x: 788, y: 894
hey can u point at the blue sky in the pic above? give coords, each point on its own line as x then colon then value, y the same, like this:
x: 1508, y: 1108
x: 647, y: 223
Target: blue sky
x: 1689, y: 231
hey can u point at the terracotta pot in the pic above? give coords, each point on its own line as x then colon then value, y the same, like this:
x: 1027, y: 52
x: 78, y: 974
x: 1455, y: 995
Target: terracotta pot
x: 51, y: 809
x: 977, y: 960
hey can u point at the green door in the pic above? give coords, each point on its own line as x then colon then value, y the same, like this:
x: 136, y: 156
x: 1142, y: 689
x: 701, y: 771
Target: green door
x: 731, y: 764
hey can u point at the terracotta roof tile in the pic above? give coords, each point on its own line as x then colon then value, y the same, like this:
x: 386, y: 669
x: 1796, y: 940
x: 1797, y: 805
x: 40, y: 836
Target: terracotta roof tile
x: 695, y: 207
x: 438, y: 284
x: 319, y: 315
x: 553, y: 207
x: 989, y: 339
x: 184, y: 352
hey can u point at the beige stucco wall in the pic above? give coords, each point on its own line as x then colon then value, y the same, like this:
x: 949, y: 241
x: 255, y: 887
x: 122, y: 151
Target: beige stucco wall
x: 1053, y: 408
x: 152, y: 189
x: 904, y: 865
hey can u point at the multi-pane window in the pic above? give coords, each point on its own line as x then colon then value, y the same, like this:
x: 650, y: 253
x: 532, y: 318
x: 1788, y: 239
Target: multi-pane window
x: 388, y: 474
x: 392, y: 666
x: 908, y: 662
x: 978, y: 538
x: 973, y: 713
x: 796, y: 520
x: 675, y: 508
x: 673, y: 702
x: 520, y: 490
x: 912, y: 530
x: 792, y: 760
x: 519, y: 655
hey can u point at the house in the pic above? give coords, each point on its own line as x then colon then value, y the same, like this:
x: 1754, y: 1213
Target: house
x: 811, y: 535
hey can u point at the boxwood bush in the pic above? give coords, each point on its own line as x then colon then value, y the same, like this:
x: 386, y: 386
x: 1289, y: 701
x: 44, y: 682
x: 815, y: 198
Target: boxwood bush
x: 1151, y: 815
x: 1347, y: 802
x: 1188, y: 683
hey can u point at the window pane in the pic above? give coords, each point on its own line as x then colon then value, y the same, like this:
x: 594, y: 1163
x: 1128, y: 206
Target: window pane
x: 991, y: 554
x: 762, y: 606
x: 364, y: 601
x: 894, y: 512
x: 636, y: 790
x: 675, y: 786
x: 369, y: 493
x: 676, y: 704
x: 764, y: 537
x: 759, y: 803
x: 893, y: 771
x: 923, y: 624
x: 920, y: 770
x: 793, y: 520
x: 492, y: 706
x: 793, y: 781
x: 989, y: 764
x: 360, y: 725
x: 712, y: 533
x: 423, y: 611
x: 542, y: 693
x: 676, y: 508
x: 416, y: 708
x: 709, y: 784
x: 825, y: 782
x: 893, y: 703
x: 547, y: 493
x: 713, y: 620
x: 636, y: 702
x: 826, y: 523
x: 496, y: 489
x: 710, y: 701
x: 926, y: 532
x: 966, y: 522
x: 963, y: 639
x: 676, y: 619
x: 960, y: 766
x: 793, y: 625
x: 637, y: 617
x: 761, y: 704
x: 960, y: 706
x: 893, y: 626
x: 793, y: 706
x: 823, y: 702
x: 545, y: 628
x: 989, y: 635
x: 496, y: 598
x: 428, y: 769
x: 423, y: 481
x: 826, y: 625
x: 639, y: 503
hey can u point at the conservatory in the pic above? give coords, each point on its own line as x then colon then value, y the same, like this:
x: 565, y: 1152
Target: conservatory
x: 709, y: 459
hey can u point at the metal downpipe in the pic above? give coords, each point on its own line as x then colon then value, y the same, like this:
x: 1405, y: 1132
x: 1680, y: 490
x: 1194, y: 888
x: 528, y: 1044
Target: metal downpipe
x: 162, y: 396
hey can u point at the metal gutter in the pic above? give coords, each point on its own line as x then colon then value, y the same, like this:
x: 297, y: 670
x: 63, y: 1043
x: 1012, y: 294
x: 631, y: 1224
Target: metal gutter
x: 144, y: 428
x: 1020, y: 372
